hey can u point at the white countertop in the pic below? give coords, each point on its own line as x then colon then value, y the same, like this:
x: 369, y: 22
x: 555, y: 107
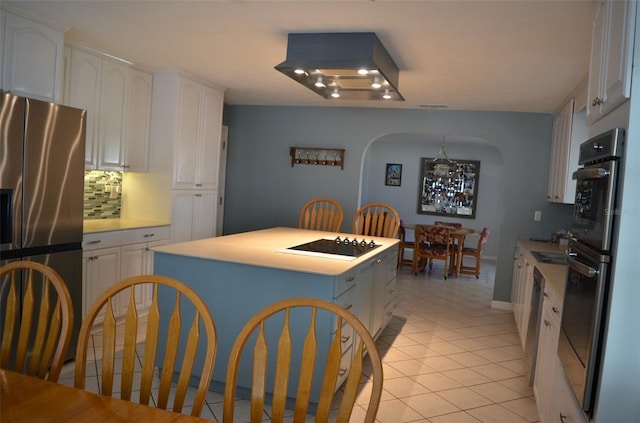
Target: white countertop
x: 554, y: 274
x: 106, y: 225
x: 262, y: 248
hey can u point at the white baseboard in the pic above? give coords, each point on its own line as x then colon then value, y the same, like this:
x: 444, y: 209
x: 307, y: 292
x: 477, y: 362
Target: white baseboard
x: 501, y: 305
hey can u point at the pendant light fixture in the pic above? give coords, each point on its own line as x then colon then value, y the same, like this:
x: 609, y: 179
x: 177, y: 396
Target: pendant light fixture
x: 354, y: 63
x: 442, y: 164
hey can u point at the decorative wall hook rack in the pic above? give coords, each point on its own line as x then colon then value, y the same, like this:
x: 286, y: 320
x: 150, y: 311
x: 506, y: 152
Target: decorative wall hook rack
x: 317, y: 156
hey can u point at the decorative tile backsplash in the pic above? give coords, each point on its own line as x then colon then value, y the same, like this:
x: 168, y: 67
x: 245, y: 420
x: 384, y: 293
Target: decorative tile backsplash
x: 102, y: 194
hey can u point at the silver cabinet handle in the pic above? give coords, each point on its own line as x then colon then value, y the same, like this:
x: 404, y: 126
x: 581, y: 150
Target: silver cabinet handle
x: 378, y: 261
x: 596, y: 102
x: 149, y: 235
x: 94, y: 242
x: 555, y: 309
x: 351, y: 279
x: 348, y: 306
x: 345, y: 339
x: 342, y: 371
x: 562, y: 417
x: 547, y: 323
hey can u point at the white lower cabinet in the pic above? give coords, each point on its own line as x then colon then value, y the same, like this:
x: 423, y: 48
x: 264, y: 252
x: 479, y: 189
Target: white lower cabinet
x: 547, y: 358
x: 100, y: 270
x: 127, y: 254
x: 564, y: 407
x: 384, y: 273
x: 193, y: 215
x: 522, y: 286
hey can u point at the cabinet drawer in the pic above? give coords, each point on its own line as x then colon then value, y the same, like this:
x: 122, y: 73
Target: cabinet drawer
x: 344, y: 282
x: 108, y: 239
x: 554, y: 302
x: 390, y: 291
x: 345, y: 365
x: 347, y: 300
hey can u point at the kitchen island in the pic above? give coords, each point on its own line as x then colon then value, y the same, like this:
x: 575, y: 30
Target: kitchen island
x: 238, y: 275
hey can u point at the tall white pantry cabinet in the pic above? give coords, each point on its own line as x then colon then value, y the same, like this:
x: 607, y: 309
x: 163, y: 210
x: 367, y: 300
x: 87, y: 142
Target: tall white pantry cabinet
x: 186, y: 132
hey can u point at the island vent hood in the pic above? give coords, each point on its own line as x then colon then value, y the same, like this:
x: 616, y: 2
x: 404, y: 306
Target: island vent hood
x: 342, y: 65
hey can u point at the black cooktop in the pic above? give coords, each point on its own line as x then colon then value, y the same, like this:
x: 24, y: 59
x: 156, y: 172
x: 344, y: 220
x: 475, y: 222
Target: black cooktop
x: 344, y: 247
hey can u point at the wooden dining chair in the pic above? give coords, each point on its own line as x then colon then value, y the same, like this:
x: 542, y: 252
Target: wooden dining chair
x: 475, y: 253
x: 276, y: 319
x: 38, y: 320
x: 404, y: 245
x: 431, y: 242
x: 377, y: 219
x: 187, y: 305
x: 321, y: 214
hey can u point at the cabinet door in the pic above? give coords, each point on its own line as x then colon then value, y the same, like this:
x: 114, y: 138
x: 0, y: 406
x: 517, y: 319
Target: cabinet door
x: 559, y: 172
x: 616, y: 78
x: 181, y: 216
x: 208, y: 156
x: 85, y: 74
x: 222, y: 173
x: 32, y: 62
x: 611, y: 57
x: 138, y: 121
x: 114, y: 107
x: 101, y: 269
x: 365, y: 295
x: 595, y: 72
x: 188, y: 121
x: 546, y: 360
x: 204, y: 215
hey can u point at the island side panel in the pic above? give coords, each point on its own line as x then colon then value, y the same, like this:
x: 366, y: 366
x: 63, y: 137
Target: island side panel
x: 234, y: 293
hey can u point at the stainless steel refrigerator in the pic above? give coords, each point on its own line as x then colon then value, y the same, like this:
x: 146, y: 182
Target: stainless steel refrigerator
x: 41, y: 189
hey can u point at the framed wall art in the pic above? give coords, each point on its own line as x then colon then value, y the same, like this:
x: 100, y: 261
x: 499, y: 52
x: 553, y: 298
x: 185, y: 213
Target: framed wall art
x: 393, y: 176
x: 448, y: 188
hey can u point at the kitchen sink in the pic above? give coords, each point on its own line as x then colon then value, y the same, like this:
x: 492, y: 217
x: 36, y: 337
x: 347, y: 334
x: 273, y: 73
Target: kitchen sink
x: 551, y: 258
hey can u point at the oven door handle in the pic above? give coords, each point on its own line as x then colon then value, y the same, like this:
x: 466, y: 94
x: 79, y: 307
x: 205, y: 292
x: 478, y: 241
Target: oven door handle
x: 583, y: 269
x: 590, y: 173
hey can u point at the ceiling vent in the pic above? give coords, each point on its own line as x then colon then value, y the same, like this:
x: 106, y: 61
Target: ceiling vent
x: 342, y: 65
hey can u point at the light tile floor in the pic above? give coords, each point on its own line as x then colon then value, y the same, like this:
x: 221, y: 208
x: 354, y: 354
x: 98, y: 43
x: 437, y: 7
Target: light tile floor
x: 448, y: 357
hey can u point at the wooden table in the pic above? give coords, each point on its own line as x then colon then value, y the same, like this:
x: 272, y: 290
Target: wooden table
x: 458, y: 236
x: 29, y: 399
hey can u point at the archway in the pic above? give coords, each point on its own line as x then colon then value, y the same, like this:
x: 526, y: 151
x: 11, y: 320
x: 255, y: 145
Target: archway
x: 407, y: 149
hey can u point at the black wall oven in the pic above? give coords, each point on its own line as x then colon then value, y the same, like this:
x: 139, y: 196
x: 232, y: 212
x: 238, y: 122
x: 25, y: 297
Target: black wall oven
x: 588, y: 258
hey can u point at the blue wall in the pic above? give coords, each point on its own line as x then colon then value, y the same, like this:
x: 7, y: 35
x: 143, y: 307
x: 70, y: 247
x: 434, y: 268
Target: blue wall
x: 263, y: 190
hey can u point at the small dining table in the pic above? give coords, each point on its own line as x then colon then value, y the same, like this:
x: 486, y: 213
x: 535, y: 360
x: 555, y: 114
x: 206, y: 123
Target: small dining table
x: 29, y: 399
x: 458, y: 236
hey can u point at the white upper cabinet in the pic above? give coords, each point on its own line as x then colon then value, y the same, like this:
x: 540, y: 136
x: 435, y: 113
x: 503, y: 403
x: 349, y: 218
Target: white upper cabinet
x: 117, y: 98
x: 114, y: 97
x: 32, y: 58
x: 569, y: 131
x: 611, y: 57
x: 137, y: 146
x: 85, y: 75
x: 199, y: 125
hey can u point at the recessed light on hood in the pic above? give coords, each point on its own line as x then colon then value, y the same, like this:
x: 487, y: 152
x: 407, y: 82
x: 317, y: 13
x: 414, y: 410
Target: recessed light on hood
x: 355, y: 64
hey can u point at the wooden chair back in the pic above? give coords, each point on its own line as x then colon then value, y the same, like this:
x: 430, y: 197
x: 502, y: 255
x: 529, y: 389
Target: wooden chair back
x: 321, y: 214
x: 432, y: 242
x: 305, y: 344
x: 185, y: 299
x: 476, y: 254
x: 38, y: 320
x: 448, y: 224
x: 377, y: 219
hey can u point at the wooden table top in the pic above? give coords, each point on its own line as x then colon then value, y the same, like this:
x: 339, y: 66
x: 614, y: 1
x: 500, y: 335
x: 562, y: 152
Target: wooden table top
x: 29, y: 399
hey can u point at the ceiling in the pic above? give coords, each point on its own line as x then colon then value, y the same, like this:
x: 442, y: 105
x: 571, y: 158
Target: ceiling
x: 510, y: 55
